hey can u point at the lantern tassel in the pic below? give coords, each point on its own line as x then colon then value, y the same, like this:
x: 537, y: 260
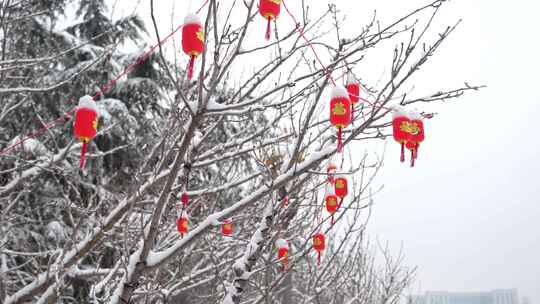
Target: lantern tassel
x: 416, y: 151
x: 284, y: 266
x: 402, y: 152
x: 318, y: 258
x: 191, y: 66
x: 268, y: 29
x: 340, y: 140
x: 413, y: 156
x: 83, y: 154
x: 332, y: 221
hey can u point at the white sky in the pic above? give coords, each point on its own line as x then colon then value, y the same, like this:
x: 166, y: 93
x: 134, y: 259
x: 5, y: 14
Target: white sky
x: 468, y: 214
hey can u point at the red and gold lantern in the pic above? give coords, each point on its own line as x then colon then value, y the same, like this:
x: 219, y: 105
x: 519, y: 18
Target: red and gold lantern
x: 192, y: 40
x: 341, y: 187
x: 353, y: 87
x: 340, y: 112
x: 331, y: 202
x: 227, y: 227
x: 319, y: 245
x: 401, y: 127
x: 283, y: 252
x: 85, y: 125
x: 269, y: 9
x: 182, y: 224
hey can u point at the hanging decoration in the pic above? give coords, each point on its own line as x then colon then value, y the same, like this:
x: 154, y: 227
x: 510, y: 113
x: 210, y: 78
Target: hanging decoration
x: 192, y: 40
x: 269, y: 9
x: 283, y: 252
x: 227, y: 227
x: 353, y: 88
x: 331, y: 201
x: 340, y: 112
x: 319, y: 245
x: 85, y: 125
x: 416, y: 135
x: 182, y: 223
x: 401, y: 127
x: 408, y: 130
x: 341, y: 187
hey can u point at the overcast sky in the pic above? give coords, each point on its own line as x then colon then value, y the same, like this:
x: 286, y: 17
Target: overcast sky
x: 468, y: 214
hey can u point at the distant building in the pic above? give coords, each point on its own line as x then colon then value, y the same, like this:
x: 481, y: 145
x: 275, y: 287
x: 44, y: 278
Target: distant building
x: 501, y: 296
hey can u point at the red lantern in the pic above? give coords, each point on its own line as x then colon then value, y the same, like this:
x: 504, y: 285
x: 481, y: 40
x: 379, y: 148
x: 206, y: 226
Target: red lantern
x: 182, y: 224
x: 319, y: 245
x: 184, y: 199
x: 269, y: 9
x: 340, y: 112
x: 353, y: 88
x: 332, y: 204
x: 401, y: 127
x: 283, y: 252
x: 341, y: 187
x: 85, y: 125
x: 330, y: 171
x: 227, y: 227
x: 192, y: 40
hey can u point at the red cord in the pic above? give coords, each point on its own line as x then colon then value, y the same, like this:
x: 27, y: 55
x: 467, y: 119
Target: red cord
x: 268, y: 29
x: 190, y: 67
x: 402, y: 159
x: 301, y: 32
x: 37, y: 132
x: 83, y: 154
x: 340, y: 140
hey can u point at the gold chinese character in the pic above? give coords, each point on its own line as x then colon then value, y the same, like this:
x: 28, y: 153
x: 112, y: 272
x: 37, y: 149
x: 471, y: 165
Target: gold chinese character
x: 411, y: 128
x: 339, y: 109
